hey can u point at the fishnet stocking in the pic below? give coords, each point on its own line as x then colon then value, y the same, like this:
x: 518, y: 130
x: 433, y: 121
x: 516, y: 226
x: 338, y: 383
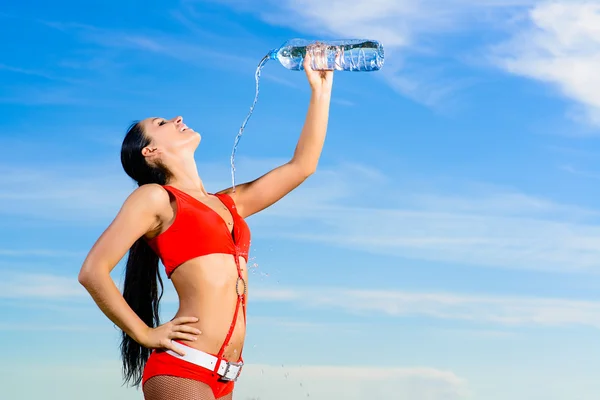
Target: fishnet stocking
x: 164, y: 387
x: 226, y: 397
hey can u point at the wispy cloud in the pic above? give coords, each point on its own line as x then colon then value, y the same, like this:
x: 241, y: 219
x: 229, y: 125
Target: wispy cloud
x: 479, y: 333
x: 343, y: 102
x: 40, y: 96
x: 579, y: 153
x: 559, y: 45
x: 89, y: 193
x: 352, y: 383
x: 39, y: 286
x: 86, y: 194
x: 473, y: 224
x: 580, y: 172
x: 22, y: 327
x: 182, y: 47
x: 64, y: 378
x: 405, y: 27
x: 500, y: 310
x: 39, y: 253
x: 95, y: 63
x: 259, y: 381
x: 38, y: 73
x: 480, y: 225
x: 480, y: 240
x: 177, y: 48
x: 296, y: 325
x: 398, y: 23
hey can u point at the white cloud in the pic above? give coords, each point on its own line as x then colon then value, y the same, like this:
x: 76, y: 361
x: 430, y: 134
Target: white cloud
x: 397, y: 23
x: 405, y: 28
x: 500, y: 310
x: 182, y: 47
x: 39, y: 253
x: 264, y: 382
x: 62, y: 380
x: 38, y: 327
x: 267, y: 382
x: 560, y: 46
x: 39, y: 286
x: 484, y: 225
x: 580, y: 172
x: 479, y: 240
x: 84, y: 194
x: 296, y: 325
x: 480, y: 225
x: 39, y: 95
x: 79, y: 193
x: 92, y: 193
x: 38, y: 73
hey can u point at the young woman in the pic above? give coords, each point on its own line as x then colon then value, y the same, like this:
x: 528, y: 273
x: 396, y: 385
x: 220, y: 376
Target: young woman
x: 203, y: 242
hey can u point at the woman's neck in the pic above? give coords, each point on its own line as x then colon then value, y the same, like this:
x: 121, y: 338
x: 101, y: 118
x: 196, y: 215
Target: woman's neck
x: 184, y: 175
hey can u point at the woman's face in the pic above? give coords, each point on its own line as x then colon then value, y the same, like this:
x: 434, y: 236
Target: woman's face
x: 169, y: 136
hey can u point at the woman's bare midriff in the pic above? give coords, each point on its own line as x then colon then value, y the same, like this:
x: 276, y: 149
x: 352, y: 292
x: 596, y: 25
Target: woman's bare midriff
x: 206, y: 287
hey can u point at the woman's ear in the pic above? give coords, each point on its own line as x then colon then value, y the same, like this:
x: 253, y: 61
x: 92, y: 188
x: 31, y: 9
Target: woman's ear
x: 149, y: 151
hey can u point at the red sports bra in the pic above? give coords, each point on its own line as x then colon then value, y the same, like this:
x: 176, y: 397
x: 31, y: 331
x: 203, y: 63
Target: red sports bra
x: 198, y: 230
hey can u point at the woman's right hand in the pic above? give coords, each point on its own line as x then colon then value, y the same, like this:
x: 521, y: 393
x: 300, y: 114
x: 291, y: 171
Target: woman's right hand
x: 161, y: 337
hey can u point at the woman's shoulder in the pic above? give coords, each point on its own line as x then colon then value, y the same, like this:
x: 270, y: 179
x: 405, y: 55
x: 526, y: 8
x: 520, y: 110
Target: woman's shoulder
x: 150, y: 195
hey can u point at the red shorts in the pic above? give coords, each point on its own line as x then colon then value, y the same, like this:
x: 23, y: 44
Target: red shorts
x: 162, y: 363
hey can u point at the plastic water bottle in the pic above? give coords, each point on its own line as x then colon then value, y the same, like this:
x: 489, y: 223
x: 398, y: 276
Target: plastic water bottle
x: 341, y: 55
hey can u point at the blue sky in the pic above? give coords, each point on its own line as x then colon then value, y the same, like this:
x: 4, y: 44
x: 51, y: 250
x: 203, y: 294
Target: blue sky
x: 447, y: 247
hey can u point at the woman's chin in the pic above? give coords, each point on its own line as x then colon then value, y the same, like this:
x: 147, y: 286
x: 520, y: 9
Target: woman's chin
x: 194, y: 137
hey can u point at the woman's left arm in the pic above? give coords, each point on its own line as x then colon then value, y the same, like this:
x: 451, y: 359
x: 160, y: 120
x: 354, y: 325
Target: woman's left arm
x: 254, y: 196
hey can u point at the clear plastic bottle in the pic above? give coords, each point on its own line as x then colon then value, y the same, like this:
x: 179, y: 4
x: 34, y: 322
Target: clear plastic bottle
x: 341, y: 55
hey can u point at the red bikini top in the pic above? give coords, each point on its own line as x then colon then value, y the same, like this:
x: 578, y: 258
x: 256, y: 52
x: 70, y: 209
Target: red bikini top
x: 198, y: 230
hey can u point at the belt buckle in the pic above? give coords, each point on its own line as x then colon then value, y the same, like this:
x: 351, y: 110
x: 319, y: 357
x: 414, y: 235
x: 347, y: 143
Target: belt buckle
x: 228, y: 365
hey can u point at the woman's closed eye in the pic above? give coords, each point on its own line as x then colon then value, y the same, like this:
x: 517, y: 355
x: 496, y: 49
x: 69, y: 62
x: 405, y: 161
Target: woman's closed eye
x: 162, y: 122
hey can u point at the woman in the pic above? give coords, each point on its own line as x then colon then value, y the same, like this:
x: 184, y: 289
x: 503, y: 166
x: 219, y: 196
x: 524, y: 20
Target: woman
x: 203, y: 242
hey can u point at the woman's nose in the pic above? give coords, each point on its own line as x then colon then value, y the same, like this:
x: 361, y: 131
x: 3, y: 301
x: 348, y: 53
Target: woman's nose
x: 178, y: 119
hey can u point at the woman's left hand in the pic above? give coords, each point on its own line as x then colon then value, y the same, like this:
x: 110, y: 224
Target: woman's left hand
x: 320, y: 81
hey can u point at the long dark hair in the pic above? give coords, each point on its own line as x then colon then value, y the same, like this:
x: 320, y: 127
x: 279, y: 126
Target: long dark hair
x: 142, y: 277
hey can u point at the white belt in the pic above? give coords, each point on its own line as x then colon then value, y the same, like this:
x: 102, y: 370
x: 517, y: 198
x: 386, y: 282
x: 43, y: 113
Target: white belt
x: 227, y: 370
